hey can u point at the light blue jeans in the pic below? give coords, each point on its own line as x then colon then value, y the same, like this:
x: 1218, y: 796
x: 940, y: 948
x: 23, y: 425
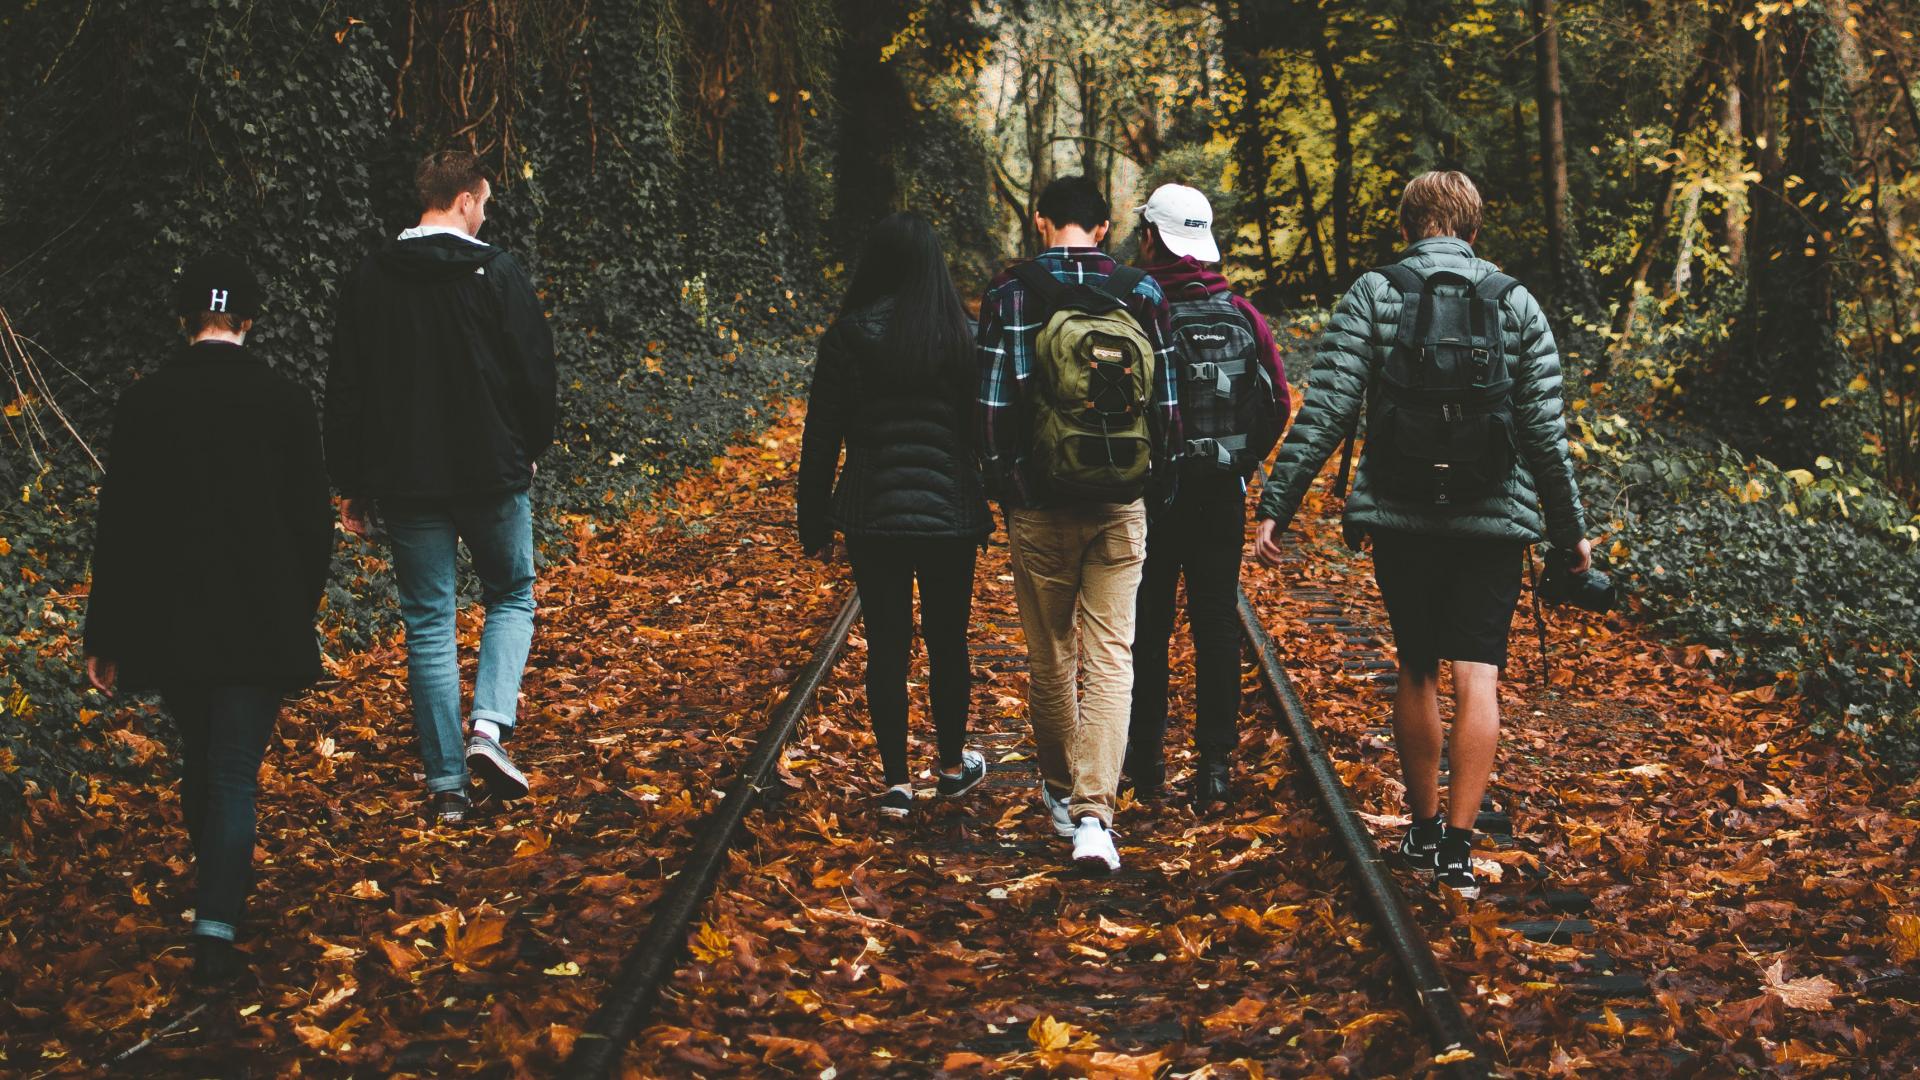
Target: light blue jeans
x: 498, y: 530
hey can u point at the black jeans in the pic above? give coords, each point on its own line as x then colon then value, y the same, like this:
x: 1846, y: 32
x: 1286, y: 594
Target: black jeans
x: 223, y: 734
x: 1201, y: 537
x: 884, y: 570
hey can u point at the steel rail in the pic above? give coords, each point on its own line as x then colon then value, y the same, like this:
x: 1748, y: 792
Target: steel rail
x: 1447, y: 1024
x: 631, y: 996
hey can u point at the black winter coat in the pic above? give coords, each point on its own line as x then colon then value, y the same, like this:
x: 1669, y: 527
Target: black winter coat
x: 910, y: 468
x: 215, y: 528
x: 442, y: 382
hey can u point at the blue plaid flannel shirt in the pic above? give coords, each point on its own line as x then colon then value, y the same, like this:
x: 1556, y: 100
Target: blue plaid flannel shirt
x: 1005, y: 340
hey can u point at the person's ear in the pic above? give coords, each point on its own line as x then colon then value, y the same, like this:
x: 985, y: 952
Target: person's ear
x: 246, y: 325
x: 1100, y: 232
x: 1042, y: 225
x: 1473, y: 237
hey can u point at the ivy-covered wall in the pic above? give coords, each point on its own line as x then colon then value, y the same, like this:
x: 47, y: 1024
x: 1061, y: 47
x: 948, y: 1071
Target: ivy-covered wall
x: 657, y: 169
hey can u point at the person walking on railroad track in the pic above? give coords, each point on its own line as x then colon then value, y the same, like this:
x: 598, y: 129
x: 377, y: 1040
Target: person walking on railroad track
x: 894, y: 383
x: 1465, y: 466
x: 440, y: 399
x: 1078, y: 417
x: 215, y: 532
x: 1233, y: 408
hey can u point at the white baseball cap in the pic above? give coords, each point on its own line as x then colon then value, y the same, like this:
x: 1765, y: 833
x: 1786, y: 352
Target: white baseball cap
x: 1185, y: 220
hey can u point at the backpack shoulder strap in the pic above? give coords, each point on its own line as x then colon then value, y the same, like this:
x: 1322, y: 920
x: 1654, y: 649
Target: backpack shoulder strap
x: 1403, y: 277
x: 1121, y: 283
x: 1041, y: 283
x: 1495, y: 286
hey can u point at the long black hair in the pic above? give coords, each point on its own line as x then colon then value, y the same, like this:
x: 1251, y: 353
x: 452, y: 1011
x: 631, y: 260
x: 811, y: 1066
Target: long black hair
x: 928, y: 335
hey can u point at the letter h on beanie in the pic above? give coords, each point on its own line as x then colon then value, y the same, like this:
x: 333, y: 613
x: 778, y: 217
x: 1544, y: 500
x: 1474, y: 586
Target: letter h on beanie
x: 220, y: 282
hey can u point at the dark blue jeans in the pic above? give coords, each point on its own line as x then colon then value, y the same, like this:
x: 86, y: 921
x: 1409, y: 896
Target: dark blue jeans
x: 223, y: 734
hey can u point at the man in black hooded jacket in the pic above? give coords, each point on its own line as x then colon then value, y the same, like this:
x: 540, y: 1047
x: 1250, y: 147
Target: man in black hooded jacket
x: 440, y: 398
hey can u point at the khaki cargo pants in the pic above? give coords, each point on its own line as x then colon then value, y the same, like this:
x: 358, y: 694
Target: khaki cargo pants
x: 1076, y: 573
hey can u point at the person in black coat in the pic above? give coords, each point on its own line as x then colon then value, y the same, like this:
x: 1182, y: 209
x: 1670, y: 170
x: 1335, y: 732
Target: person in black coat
x: 894, y: 384
x: 440, y: 399
x: 214, y: 535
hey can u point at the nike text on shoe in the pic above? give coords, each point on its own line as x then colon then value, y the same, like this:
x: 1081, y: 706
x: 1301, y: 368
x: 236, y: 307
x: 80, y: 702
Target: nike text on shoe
x: 897, y: 803
x: 1057, y: 810
x: 973, y: 769
x: 1093, y: 850
x: 488, y: 761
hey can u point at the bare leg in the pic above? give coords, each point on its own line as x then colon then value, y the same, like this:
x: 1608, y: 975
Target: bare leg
x: 1416, y: 731
x: 1476, y: 735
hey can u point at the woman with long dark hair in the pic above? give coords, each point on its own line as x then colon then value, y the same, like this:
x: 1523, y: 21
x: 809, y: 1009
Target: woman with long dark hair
x: 895, y: 384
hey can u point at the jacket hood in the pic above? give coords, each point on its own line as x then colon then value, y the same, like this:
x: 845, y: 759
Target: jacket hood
x: 437, y: 256
x: 1187, y: 278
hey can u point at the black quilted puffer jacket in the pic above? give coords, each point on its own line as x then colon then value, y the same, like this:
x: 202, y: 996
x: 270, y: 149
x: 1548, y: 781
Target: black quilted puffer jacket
x: 910, y: 468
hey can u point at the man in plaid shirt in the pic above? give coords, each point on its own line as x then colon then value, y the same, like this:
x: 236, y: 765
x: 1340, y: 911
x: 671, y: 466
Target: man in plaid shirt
x: 1076, y: 567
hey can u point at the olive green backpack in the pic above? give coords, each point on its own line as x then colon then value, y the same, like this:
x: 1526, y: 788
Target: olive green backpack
x: 1093, y: 368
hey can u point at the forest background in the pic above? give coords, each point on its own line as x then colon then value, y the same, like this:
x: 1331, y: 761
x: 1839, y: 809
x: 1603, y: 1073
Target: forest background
x: 1717, y: 199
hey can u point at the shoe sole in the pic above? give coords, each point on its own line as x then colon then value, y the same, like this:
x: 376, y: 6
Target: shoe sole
x: 1094, y: 866
x: 501, y: 778
x: 894, y: 812
x: 1464, y: 892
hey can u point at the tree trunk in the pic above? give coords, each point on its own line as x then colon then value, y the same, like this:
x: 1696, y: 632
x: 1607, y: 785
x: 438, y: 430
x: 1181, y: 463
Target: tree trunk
x: 1553, y: 137
x: 1341, y: 202
x: 1736, y: 223
x: 1310, y: 217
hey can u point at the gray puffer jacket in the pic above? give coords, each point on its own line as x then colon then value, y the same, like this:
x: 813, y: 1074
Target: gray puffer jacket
x: 1541, y: 501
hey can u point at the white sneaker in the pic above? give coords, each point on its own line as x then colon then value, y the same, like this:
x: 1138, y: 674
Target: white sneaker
x: 1093, y: 849
x: 1057, y: 809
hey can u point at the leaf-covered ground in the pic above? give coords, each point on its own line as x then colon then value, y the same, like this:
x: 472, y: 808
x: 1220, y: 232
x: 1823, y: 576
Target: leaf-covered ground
x: 1765, y: 884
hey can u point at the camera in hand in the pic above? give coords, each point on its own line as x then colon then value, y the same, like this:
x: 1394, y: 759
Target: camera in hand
x: 1593, y: 589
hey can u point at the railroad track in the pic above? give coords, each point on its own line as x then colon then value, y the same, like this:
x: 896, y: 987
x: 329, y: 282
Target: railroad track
x: 965, y: 846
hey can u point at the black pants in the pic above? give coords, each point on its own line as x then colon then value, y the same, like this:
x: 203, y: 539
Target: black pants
x: 884, y: 570
x: 1200, y: 537
x: 223, y: 734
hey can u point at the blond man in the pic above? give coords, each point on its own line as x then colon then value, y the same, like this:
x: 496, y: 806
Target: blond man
x: 1465, y: 466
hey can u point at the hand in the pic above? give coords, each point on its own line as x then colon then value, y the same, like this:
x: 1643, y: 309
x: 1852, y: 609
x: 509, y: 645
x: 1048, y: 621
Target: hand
x: 1582, y: 560
x: 1266, y: 542
x: 102, y: 674
x: 536, y: 471
x: 356, y: 516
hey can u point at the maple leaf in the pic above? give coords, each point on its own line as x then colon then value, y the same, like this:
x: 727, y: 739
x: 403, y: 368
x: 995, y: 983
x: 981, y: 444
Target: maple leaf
x: 1046, y: 1033
x: 472, y: 944
x: 1240, y: 1014
x: 1903, y: 932
x: 710, y: 945
x: 1813, y: 993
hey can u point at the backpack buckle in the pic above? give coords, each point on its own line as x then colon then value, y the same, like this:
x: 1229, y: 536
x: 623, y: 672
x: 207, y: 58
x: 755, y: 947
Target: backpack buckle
x: 1440, y: 496
x: 1210, y: 372
x: 1210, y: 450
x: 1452, y: 412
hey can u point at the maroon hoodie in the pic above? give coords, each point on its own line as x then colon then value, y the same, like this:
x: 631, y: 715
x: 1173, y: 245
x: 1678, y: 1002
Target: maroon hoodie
x: 1186, y: 278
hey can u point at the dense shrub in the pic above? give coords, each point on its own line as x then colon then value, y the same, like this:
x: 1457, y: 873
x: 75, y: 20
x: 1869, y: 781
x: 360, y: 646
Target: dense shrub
x: 1808, y: 579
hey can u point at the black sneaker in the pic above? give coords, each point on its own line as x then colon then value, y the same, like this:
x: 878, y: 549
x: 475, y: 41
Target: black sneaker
x: 488, y: 761
x: 1422, y: 842
x: 1213, y: 785
x: 1453, y: 864
x: 973, y: 769
x: 897, y: 802
x: 450, y: 807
